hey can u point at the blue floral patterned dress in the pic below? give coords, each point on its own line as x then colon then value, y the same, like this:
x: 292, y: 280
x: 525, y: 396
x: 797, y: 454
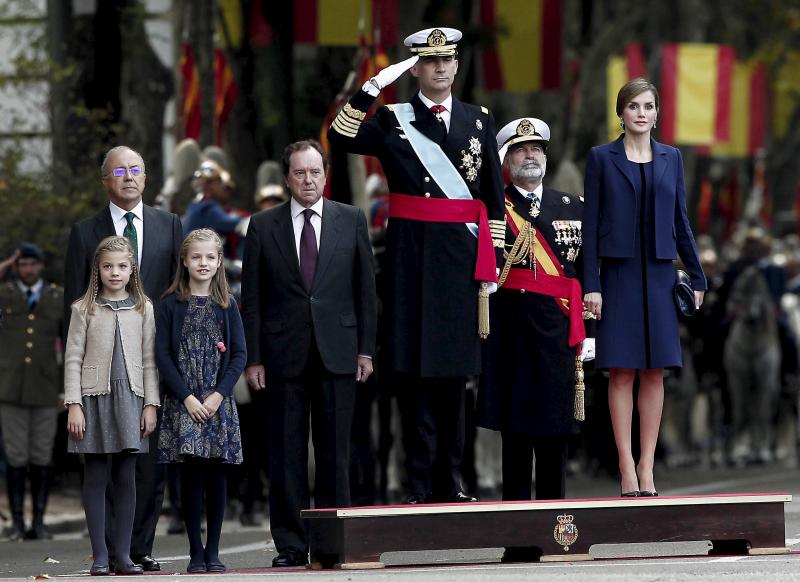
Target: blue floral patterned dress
x: 198, y: 361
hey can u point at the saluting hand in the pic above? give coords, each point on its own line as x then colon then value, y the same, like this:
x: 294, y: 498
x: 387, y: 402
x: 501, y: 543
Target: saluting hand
x: 195, y: 409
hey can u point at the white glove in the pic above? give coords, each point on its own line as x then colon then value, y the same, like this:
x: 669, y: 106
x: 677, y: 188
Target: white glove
x: 241, y: 228
x: 491, y: 287
x: 587, y: 350
x: 388, y: 76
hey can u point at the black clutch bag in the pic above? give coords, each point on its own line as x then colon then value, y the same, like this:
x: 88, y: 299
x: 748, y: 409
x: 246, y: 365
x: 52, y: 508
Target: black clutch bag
x: 684, y: 294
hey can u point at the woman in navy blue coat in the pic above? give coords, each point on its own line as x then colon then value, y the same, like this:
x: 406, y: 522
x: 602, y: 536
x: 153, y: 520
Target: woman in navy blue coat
x: 634, y: 225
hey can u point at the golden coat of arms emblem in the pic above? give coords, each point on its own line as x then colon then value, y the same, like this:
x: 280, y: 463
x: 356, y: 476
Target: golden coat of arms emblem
x: 437, y: 38
x: 565, y: 532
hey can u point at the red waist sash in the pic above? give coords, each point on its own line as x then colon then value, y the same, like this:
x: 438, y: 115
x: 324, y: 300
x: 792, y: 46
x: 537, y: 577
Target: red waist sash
x: 451, y: 210
x: 558, y: 287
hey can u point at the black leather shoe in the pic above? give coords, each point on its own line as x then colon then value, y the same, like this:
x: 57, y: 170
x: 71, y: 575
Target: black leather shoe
x: 147, y: 563
x: 196, y: 568
x: 513, y: 555
x: 630, y: 494
x: 461, y: 497
x: 289, y: 559
x: 215, y: 566
x: 128, y: 570
x: 648, y: 493
x: 414, y: 499
x: 99, y: 570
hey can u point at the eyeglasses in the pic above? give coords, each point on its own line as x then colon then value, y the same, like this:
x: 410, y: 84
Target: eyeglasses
x: 121, y: 171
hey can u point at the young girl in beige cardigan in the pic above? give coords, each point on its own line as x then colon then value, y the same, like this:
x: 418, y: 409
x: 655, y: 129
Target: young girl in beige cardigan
x: 111, y: 390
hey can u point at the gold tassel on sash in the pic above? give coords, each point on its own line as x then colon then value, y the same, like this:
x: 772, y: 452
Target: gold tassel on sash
x: 483, y: 310
x: 580, y: 389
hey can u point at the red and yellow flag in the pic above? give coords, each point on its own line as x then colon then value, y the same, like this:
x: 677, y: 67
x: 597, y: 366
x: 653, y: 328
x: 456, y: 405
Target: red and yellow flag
x: 748, y: 112
x: 695, y: 93
x: 786, y: 93
x: 525, y: 55
x: 191, y: 93
x: 336, y: 22
x: 620, y: 70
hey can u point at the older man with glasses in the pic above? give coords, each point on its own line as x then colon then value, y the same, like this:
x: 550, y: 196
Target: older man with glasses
x: 156, y: 238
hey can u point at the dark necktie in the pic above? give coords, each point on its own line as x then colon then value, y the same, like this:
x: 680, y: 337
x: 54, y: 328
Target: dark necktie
x: 308, y: 250
x: 29, y: 299
x: 130, y: 234
x: 437, y: 111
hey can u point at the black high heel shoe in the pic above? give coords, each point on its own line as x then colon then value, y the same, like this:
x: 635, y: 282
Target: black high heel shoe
x: 648, y: 493
x: 631, y: 494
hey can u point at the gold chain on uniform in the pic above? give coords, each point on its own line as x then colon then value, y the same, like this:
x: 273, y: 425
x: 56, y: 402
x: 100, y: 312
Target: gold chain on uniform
x: 520, y: 251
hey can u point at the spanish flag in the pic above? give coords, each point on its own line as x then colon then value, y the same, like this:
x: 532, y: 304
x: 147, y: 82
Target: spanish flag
x: 695, y: 93
x: 620, y: 70
x: 786, y: 93
x: 525, y: 55
x: 336, y: 22
x: 748, y: 112
x: 191, y: 93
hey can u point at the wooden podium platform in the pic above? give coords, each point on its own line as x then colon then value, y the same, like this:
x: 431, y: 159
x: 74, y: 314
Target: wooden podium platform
x: 563, y: 530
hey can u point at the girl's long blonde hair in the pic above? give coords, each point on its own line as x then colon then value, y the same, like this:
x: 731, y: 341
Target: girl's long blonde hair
x: 219, y: 291
x: 113, y: 244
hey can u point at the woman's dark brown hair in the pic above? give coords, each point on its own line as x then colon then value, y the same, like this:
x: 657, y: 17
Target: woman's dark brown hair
x: 633, y: 89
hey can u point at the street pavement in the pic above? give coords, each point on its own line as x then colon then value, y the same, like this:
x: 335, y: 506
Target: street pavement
x: 248, y: 551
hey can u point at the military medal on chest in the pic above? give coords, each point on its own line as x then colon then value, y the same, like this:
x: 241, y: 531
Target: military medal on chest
x: 568, y: 234
x: 471, y: 160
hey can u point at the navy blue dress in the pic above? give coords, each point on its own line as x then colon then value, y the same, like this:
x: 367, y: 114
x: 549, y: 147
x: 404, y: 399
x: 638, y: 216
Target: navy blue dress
x: 199, y: 360
x: 639, y: 325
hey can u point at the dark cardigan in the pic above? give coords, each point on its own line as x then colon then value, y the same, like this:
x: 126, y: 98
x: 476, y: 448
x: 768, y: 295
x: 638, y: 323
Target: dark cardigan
x: 169, y: 322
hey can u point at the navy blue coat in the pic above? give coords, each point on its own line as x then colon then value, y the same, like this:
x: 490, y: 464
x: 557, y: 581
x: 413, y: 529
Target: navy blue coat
x: 609, y: 214
x: 170, y: 314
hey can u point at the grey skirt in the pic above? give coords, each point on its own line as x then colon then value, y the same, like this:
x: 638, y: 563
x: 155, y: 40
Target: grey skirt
x: 113, y: 423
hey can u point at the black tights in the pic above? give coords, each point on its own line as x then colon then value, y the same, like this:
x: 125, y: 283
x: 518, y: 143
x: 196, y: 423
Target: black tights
x: 199, y: 477
x: 123, y: 483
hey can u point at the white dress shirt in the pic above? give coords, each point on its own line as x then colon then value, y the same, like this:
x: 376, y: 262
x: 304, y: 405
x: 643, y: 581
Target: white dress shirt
x: 448, y: 104
x: 35, y: 289
x: 299, y: 219
x: 118, y: 218
x: 537, y: 193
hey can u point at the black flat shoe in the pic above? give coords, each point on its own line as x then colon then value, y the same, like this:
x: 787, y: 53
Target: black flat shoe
x: 99, y: 570
x: 196, y: 568
x: 648, y: 493
x: 147, y: 563
x: 631, y: 494
x: 128, y: 570
x: 414, y: 499
x: 461, y: 497
x: 215, y: 567
x: 290, y: 559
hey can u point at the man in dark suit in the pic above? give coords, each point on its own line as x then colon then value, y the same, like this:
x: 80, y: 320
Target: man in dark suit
x: 309, y: 310
x: 156, y: 238
x: 440, y: 159
x: 527, y: 389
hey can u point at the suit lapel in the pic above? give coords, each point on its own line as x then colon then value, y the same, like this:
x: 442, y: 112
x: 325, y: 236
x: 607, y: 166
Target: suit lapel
x: 620, y: 160
x: 426, y: 123
x: 328, y: 238
x: 659, y: 162
x: 284, y: 239
x: 457, y: 135
x: 151, y: 233
x: 103, y: 225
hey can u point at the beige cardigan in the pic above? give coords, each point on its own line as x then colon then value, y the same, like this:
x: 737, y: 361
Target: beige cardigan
x: 90, y: 346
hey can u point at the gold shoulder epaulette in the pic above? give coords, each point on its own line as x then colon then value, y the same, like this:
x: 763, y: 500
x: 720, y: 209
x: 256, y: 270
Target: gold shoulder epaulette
x: 486, y: 111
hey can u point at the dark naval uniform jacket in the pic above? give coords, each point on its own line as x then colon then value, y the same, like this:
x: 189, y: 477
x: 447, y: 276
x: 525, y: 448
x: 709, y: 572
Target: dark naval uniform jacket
x: 528, y: 381
x: 30, y: 374
x: 431, y: 302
